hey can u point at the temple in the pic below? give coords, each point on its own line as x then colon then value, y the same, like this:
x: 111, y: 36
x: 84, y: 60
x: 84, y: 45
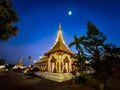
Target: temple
x: 19, y: 64
x: 58, y: 59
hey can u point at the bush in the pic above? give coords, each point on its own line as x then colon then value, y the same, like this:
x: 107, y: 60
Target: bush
x: 81, y: 79
x: 90, y: 79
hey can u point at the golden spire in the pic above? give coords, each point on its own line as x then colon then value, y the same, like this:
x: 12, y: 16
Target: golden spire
x: 59, y: 35
x: 20, y: 62
x: 59, y: 27
x: 59, y: 44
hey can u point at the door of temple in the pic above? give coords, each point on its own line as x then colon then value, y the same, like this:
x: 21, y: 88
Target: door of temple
x: 53, y: 64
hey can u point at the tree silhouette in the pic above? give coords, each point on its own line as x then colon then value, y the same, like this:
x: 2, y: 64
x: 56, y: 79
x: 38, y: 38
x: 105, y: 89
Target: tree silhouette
x: 80, y: 56
x: 2, y: 61
x: 111, y: 59
x: 7, y: 19
x: 29, y: 58
x: 93, y: 44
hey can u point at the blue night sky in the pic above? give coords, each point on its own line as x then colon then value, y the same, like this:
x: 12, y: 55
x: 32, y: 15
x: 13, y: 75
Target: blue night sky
x: 39, y: 20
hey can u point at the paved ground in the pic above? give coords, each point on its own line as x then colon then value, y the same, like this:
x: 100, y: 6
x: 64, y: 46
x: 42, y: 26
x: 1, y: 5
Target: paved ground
x: 17, y: 81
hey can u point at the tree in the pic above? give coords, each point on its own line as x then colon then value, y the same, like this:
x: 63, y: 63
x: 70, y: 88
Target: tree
x: 112, y: 50
x: 80, y: 56
x: 29, y: 58
x: 8, y: 17
x: 111, y: 59
x: 2, y: 61
x: 93, y: 44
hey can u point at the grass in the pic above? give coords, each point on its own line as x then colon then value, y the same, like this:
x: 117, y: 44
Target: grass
x: 92, y: 83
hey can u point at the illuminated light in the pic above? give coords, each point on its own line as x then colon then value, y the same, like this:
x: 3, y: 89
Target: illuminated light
x: 14, y: 67
x: 40, y: 57
x: 70, y: 13
x: 2, y: 66
x: 21, y: 67
x: 35, y: 61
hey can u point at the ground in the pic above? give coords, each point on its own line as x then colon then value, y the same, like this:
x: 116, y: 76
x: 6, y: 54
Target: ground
x: 18, y: 81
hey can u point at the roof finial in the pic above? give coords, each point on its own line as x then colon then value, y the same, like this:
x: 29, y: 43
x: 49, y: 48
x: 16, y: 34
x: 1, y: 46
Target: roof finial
x: 59, y: 27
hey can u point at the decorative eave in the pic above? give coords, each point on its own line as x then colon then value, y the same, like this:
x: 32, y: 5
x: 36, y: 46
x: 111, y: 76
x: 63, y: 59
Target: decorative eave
x: 59, y: 45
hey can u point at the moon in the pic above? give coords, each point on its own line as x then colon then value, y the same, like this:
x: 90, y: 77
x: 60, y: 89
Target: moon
x: 70, y: 13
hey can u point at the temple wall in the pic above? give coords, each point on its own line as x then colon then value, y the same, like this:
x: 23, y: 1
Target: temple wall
x: 42, y: 64
x: 57, y: 63
x: 58, y: 77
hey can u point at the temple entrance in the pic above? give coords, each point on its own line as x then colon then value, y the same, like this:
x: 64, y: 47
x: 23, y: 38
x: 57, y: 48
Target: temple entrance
x: 66, y: 65
x: 53, y: 65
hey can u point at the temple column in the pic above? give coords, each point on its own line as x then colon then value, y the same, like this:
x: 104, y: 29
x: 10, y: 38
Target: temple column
x: 67, y: 66
x: 52, y: 66
x: 62, y: 66
x: 59, y: 64
x: 60, y: 61
x: 49, y: 68
x: 70, y: 66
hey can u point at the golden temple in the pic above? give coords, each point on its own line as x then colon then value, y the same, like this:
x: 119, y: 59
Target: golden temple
x: 59, y: 58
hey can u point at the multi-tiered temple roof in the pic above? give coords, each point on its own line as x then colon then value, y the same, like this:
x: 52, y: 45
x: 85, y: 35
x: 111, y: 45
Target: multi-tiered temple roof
x: 59, y: 44
x: 56, y: 61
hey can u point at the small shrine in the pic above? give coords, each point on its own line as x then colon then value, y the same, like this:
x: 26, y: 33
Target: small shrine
x: 19, y: 64
x: 58, y: 60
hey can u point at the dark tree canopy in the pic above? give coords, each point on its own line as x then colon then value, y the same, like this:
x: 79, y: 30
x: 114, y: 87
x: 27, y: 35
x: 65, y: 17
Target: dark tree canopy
x: 80, y: 56
x: 29, y: 58
x: 104, y: 58
x: 94, y: 39
x: 2, y: 61
x: 111, y: 59
x: 93, y: 44
x: 8, y: 17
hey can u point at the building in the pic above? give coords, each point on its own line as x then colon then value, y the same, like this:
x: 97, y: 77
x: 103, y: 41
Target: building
x: 2, y: 64
x: 19, y: 64
x: 58, y: 59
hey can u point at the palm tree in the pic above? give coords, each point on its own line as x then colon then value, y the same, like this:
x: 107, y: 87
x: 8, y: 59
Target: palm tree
x: 75, y: 42
x: 80, y: 55
x: 29, y: 58
x: 7, y: 19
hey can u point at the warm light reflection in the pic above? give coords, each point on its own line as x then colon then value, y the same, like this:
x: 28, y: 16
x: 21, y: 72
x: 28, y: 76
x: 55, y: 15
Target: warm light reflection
x: 35, y: 61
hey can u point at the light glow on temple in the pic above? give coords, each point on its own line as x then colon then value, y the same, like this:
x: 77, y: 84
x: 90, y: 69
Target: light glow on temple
x: 58, y: 59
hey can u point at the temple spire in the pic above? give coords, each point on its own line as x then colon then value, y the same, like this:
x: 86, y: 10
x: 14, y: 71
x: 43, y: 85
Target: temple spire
x: 59, y: 27
x: 59, y: 35
x: 19, y: 64
x: 20, y: 61
x: 59, y: 44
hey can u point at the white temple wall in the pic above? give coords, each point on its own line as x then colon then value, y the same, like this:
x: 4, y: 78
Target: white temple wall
x: 70, y: 62
x: 60, y: 60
